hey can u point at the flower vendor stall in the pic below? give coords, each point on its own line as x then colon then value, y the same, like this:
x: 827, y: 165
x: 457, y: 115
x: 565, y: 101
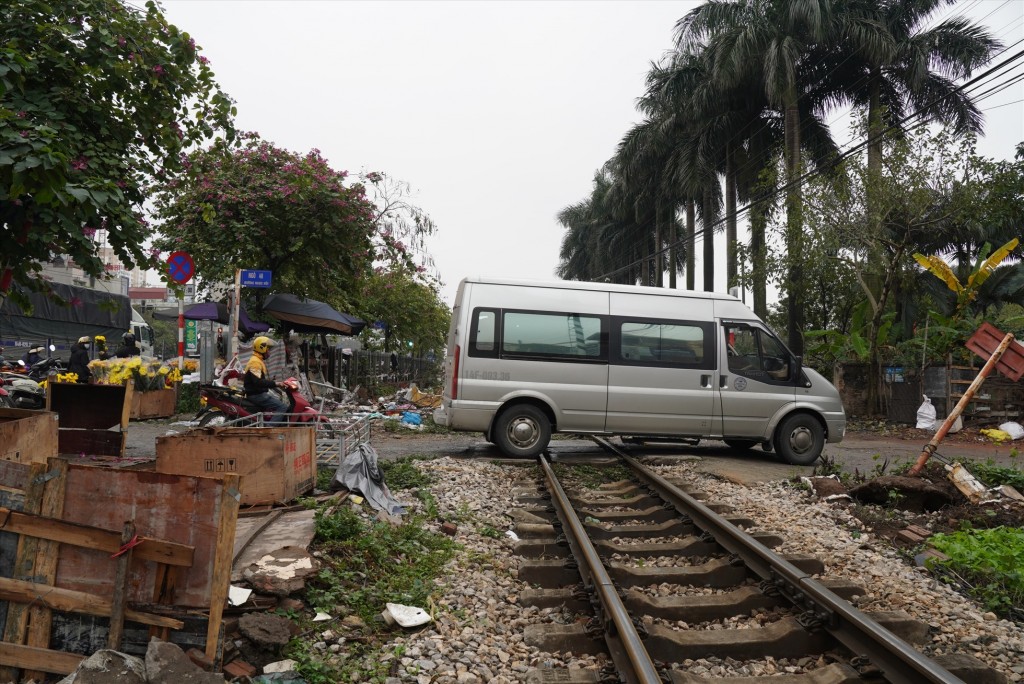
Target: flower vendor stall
x: 154, y: 384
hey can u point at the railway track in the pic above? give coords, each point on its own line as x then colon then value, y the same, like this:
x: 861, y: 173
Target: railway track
x: 667, y: 579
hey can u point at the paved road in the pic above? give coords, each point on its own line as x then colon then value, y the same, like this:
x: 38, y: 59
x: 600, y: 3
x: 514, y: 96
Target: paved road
x: 861, y: 452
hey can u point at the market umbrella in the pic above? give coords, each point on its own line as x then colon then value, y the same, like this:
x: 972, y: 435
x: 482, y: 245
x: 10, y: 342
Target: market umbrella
x: 311, y: 316
x: 214, y: 311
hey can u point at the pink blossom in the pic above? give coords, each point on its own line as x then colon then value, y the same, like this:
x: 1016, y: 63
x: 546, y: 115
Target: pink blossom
x: 88, y: 231
x: 203, y: 60
x: 22, y: 114
x: 24, y: 134
x: 158, y: 70
x: 121, y: 42
x: 80, y: 164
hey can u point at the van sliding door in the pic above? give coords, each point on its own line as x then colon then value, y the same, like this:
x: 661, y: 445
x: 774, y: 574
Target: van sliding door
x: 661, y: 378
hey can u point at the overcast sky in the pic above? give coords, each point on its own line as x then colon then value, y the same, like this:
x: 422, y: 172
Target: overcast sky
x: 497, y: 113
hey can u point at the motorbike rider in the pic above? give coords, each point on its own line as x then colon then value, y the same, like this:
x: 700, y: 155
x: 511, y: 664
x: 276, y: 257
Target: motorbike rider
x: 128, y: 347
x: 79, y: 362
x: 33, y: 356
x: 257, y: 382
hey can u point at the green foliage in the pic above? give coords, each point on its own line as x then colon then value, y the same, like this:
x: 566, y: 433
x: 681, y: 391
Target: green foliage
x: 369, y: 564
x: 272, y: 209
x: 410, y: 305
x: 341, y: 524
x: 403, y: 474
x: 188, y: 398
x: 995, y: 475
x: 592, y: 477
x: 97, y: 99
x: 990, y: 561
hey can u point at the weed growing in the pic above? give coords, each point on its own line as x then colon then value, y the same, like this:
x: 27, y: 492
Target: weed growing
x: 591, y: 477
x: 990, y: 562
x: 403, y: 474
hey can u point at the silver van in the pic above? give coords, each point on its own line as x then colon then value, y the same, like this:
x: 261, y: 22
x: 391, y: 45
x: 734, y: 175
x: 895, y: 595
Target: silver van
x: 525, y: 359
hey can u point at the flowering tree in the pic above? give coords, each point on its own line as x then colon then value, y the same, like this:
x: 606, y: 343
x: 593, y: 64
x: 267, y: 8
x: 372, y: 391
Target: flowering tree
x: 410, y: 307
x: 258, y: 206
x: 97, y: 100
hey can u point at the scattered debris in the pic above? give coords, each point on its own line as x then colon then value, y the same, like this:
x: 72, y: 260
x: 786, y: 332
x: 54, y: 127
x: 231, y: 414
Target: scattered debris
x: 968, y: 485
x: 405, y: 616
x: 282, y: 572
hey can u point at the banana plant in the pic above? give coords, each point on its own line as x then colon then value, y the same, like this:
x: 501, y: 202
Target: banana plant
x: 966, y: 292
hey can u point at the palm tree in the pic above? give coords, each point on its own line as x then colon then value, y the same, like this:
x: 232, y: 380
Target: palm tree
x: 890, y: 62
x: 772, y: 39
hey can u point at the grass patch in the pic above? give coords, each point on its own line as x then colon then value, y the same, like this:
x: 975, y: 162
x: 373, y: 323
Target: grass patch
x: 188, y: 398
x: 591, y: 477
x: 989, y: 562
x: 995, y: 475
x: 403, y: 474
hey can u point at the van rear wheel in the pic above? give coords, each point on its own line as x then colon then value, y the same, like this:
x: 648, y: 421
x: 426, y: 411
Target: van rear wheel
x: 800, y: 439
x: 522, y: 431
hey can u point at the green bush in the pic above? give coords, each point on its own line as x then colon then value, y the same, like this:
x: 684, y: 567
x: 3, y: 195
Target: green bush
x: 188, y: 398
x: 990, y: 561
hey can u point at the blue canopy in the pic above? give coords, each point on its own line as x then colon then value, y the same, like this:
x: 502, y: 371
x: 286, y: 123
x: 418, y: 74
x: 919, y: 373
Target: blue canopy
x: 309, y: 315
x: 216, y: 311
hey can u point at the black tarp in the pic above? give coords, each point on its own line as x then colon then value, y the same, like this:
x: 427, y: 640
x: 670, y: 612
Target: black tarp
x: 87, y: 312
x: 309, y: 315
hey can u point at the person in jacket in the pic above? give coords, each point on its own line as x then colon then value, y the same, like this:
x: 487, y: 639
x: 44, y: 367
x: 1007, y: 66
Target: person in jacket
x: 257, y: 382
x: 33, y: 356
x: 128, y: 347
x: 79, y: 363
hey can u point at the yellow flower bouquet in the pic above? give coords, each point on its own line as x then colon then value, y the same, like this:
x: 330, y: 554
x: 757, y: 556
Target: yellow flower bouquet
x: 144, y: 374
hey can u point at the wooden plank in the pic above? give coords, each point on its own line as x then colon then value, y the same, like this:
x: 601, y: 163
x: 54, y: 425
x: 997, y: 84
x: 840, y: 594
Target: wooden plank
x: 16, y: 627
x: 276, y: 464
x: 117, y: 609
x: 69, y: 601
x: 27, y: 657
x: 153, y: 404
x: 91, y: 442
x: 94, y: 538
x: 27, y: 436
x: 40, y: 617
x: 227, y: 519
x: 174, y: 508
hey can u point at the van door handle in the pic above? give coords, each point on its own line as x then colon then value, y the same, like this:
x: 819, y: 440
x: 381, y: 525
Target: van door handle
x: 705, y: 381
x: 723, y: 381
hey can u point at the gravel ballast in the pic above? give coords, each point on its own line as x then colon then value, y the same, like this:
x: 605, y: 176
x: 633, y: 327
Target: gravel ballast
x: 478, y: 632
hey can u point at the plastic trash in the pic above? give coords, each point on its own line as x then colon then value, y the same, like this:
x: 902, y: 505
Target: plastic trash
x: 358, y: 472
x: 926, y: 415
x: 406, y: 616
x: 512, y: 535
x: 1015, y: 430
x: 997, y: 436
x: 411, y: 418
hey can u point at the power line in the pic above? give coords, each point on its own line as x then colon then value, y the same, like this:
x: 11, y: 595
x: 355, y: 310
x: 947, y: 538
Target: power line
x: 779, y: 192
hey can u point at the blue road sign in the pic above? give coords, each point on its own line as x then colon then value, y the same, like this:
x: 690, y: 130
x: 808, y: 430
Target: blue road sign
x: 180, y: 267
x: 255, y: 278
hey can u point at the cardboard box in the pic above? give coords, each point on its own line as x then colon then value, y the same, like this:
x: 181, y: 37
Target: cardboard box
x: 27, y: 436
x: 276, y: 464
x: 93, y: 418
x: 153, y: 404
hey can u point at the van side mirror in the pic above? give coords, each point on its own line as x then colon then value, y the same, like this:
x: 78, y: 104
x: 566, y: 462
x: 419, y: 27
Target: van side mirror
x: 799, y: 367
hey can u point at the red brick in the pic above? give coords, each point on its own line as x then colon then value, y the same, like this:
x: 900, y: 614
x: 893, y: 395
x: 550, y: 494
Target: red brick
x: 449, y: 528
x: 920, y: 531
x: 909, y: 537
x: 239, y: 668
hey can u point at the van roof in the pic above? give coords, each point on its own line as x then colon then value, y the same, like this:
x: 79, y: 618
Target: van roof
x: 603, y: 287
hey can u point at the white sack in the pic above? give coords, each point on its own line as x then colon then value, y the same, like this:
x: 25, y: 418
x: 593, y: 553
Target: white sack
x: 1015, y: 430
x: 926, y: 415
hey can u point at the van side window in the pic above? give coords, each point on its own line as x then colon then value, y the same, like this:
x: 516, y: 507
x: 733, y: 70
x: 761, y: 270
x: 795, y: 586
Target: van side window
x: 661, y: 343
x: 755, y: 354
x: 551, y: 334
x: 483, y: 333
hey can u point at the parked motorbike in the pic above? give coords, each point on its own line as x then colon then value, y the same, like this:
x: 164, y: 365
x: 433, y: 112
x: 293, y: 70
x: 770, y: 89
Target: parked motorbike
x: 40, y: 370
x: 222, y: 403
x: 5, y: 399
x: 23, y: 392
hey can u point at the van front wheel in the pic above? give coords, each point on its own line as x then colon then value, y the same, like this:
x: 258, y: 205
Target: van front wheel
x: 522, y: 431
x: 800, y: 439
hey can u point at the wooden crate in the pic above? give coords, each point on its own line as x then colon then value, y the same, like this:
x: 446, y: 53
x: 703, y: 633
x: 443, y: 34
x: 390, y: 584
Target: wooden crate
x: 27, y: 436
x: 153, y: 404
x: 93, y: 418
x: 276, y: 464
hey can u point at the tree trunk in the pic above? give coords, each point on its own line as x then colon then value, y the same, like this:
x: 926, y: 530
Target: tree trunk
x: 673, y: 251
x: 731, y: 260
x: 659, y: 270
x: 709, y: 240
x: 691, y: 279
x: 794, y: 231
x: 645, y: 263
x: 759, y: 256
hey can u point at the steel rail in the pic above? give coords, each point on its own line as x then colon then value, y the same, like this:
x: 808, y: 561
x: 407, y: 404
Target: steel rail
x: 624, y: 644
x: 899, y: 661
